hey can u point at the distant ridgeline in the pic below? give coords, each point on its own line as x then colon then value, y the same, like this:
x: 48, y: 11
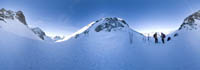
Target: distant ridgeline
x: 10, y: 17
x: 102, y: 26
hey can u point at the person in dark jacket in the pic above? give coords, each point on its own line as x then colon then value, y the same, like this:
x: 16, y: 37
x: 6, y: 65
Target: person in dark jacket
x: 169, y: 38
x: 163, y: 37
x: 155, y: 37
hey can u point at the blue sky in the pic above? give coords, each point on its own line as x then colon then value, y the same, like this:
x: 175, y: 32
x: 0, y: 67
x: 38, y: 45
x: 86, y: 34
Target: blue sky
x: 63, y: 17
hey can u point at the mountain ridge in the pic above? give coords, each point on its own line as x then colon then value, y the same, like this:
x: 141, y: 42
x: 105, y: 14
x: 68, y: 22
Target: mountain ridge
x: 16, y: 21
x: 107, y: 24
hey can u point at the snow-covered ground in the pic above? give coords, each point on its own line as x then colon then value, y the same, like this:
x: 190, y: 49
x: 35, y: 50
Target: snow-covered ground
x: 106, y: 44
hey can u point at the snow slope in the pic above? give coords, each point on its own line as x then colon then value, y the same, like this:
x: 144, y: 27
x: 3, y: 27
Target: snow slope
x: 15, y: 23
x: 107, y: 28
x: 112, y: 50
x: 106, y: 44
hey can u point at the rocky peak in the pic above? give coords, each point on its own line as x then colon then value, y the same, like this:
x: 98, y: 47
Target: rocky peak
x: 109, y: 24
x: 102, y: 25
x: 39, y: 32
x: 20, y: 16
x: 192, y: 21
x: 4, y: 14
x: 8, y: 14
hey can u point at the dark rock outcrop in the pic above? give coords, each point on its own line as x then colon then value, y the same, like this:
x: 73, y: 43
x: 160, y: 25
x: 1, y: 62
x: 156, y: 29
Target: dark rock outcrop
x: 39, y: 32
x: 108, y: 24
x: 20, y: 16
x: 8, y: 14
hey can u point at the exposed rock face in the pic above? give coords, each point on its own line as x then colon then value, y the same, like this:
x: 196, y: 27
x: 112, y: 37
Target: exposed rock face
x: 108, y: 24
x: 39, y: 32
x: 20, y: 16
x: 4, y: 14
x: 56, y: 38
x: 191, y: 22
x: 8, y: 14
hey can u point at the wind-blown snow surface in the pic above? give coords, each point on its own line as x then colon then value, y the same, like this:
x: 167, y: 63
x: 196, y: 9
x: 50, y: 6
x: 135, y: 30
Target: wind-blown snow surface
x: 115, y: 48
x: 18, y: 53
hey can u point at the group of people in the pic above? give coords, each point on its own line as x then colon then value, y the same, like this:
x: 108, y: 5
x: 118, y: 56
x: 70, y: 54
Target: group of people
x: 163, y: 36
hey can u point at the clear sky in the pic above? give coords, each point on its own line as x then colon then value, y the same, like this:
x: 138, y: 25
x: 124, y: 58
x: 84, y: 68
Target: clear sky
x: 63, y: 17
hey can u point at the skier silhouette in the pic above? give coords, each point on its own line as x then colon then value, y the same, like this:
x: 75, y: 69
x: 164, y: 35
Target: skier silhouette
x: 163, y: 37
x: 155, y: 37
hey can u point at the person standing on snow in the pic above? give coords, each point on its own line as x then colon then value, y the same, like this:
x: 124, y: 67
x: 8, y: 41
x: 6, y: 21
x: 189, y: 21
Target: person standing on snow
x: 155, y: 37
x: 163, y: 37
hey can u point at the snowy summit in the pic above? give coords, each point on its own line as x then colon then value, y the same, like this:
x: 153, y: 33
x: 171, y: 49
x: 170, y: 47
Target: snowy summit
x: 15, y: 23
x: 105, y: 44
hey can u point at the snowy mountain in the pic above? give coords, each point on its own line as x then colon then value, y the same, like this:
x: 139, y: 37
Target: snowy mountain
x: 108, y: 28
x: 106, y: 44
x: 189, y: 29
x: 15, y: 23
x: 192, y: 22
x: 40, y: 34
x: 110, y: 44
x: 8, y: 14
